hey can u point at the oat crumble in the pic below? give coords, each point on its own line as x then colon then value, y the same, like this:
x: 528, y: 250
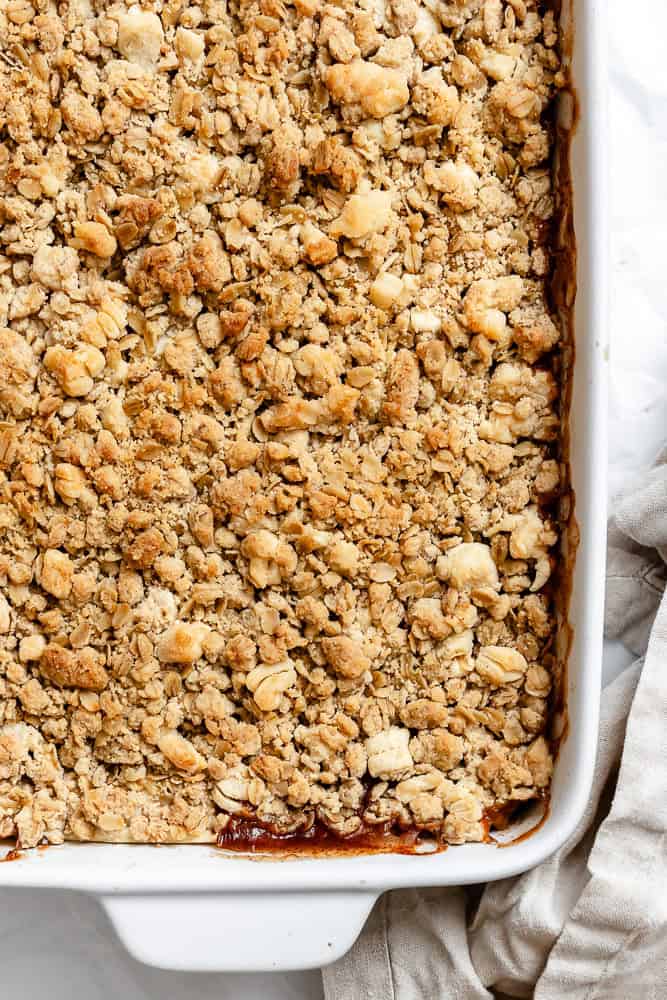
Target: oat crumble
x: 279, y: 425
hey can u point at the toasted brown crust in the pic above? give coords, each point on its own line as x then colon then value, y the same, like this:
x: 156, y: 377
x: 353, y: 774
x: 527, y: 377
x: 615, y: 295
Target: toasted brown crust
x: 279, y: 417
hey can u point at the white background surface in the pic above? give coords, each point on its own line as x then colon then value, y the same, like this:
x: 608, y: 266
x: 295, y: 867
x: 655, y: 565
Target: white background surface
x: 60, y: 944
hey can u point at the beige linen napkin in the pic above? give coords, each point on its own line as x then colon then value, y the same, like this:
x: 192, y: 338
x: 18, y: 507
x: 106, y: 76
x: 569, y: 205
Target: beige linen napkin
x: 590, y: 923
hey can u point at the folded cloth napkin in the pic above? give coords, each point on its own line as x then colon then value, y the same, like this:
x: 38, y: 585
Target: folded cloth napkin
x: 590, y: 923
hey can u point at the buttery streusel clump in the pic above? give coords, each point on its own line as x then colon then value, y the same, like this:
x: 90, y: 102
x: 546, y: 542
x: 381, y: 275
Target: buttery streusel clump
x: 279, y: 402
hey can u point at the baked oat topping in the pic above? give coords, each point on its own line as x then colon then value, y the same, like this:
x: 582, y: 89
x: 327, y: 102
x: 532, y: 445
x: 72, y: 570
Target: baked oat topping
x: 279, y: 394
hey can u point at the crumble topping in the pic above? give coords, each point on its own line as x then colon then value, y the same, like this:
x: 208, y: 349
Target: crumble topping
x: 278, y: 415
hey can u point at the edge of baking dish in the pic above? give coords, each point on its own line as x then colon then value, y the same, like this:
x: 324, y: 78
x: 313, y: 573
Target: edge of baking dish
x: 198, y: 908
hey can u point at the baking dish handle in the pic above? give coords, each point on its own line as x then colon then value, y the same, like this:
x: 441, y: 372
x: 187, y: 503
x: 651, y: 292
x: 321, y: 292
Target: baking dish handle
x: 239, y: 932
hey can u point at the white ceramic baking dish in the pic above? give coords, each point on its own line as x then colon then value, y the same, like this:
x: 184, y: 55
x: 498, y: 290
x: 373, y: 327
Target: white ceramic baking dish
x: 192, y: 907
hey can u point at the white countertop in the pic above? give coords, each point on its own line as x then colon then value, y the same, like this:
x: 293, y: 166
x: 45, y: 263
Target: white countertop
x: 63, y: 942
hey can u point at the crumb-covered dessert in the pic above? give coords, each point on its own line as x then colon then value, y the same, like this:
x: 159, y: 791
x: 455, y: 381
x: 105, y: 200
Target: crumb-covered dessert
x: 279, y: 404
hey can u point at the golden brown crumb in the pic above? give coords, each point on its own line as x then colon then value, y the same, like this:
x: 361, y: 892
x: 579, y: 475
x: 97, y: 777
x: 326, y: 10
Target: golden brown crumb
x: 278, y: 416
